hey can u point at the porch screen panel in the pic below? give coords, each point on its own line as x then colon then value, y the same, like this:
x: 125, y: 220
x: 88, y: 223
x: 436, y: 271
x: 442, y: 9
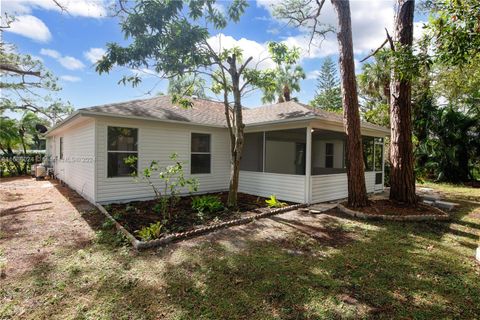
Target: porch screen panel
x: 328, y: 152
x: 285, y: 151
x: 368, y: 155
x: 252, y: 156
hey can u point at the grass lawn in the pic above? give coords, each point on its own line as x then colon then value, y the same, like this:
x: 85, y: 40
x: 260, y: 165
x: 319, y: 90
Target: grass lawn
x: 379, y: 270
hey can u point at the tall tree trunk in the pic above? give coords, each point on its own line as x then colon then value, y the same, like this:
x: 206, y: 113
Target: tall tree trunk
x: 357, y: 192
x: 237, y: 137
x: 402, y: 177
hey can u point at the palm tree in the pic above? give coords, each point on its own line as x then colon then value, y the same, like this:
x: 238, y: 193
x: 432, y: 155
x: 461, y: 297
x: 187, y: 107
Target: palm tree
x: 287, y: 74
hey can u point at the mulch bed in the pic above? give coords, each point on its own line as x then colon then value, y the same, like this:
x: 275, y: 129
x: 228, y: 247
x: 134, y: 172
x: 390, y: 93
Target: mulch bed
x: 135, y: 215
x: 387, y: 207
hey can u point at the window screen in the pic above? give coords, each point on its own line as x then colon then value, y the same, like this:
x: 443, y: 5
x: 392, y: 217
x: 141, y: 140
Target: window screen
x: 200, y: 159
x: 368, y: 153
x: 252, y: 155
x: 122, y: 143
x: 378, y: 154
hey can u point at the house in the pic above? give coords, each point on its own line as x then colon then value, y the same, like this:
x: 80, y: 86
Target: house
x: 291, y: 150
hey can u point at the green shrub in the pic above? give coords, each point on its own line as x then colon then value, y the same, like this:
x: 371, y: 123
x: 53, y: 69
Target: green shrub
x: 207, y: 204
x: 158, y: 208
x: 274, y: 203
x: 153, y: 231
x: 173, y: 182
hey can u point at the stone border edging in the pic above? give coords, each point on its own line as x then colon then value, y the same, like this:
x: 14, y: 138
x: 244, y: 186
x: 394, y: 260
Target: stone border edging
x: 430, y: 217
x: 139, y: 245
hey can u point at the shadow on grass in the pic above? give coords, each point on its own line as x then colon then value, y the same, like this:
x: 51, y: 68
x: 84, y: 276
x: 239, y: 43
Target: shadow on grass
x: 398, y: 270
x: 386, y: 270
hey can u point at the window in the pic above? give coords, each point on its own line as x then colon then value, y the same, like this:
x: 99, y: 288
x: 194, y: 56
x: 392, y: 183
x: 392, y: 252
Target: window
x: 122, y: 143
x: 61, y: 148
x: 201, y: 156
x: 328, y: 155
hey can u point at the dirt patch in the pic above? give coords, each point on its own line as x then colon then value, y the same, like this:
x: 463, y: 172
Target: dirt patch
x: 387, y: 207
x: 135, y: 215
x: 37, y: 218
x: 328, y: 233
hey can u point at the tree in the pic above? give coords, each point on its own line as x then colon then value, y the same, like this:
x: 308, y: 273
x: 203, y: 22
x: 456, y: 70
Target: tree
x: 328, y: 95
x: 27, y: 86
x: 287, y: 73
x: 402, y: 177
x: 187, y: 85
x: 172, y: 38
x: 374, y: 89
x: 357, y: 193
x: 455, y: 27
x: 306, y: 14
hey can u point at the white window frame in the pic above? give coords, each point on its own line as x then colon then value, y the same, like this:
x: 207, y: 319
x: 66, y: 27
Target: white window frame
x: 209, y: 134
x: 120, y: 151
x: 332, y: 155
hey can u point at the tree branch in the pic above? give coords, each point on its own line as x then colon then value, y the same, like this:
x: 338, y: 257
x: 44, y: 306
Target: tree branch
x: 375, y: 51
x: 390, y: 40
x: 14, y: 69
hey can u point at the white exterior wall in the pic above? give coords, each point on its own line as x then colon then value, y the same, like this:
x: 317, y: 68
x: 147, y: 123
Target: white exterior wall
x: 335, y: 186
x: 157, y: 141
x: 286, y: 187
x: 76, y: 168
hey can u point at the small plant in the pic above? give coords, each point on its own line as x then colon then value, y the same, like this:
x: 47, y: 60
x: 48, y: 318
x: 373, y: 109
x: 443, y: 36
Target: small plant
x: 153, y: 231
x: 117, y: 215
x: 129, y: 207
x: 274, y: 203
x: 173, y: 181
x: 207, y: 204
x: 157, y: 208
x: 107, y: 224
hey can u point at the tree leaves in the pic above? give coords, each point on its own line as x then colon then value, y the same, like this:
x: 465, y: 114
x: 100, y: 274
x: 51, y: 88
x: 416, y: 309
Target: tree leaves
x: 456, y: 30
x: 278, y: 84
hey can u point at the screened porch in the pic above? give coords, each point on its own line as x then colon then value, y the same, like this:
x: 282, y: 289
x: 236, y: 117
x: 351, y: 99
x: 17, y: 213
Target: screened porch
x: 304, y: 164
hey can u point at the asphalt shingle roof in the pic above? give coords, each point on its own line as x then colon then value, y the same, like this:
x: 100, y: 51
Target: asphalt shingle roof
x: 161, y: 108
x: 209, y: 112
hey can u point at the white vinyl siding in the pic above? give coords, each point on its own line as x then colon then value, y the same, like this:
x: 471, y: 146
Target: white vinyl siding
x: 76, y: 168
x: 335, y: 186
x: 287, y: 187
x: 157, y: 141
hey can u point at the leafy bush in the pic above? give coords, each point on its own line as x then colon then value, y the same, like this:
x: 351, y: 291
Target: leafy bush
x: 207, y: 204
x: 153, y: 231
x: 172, y: 182
x: 274, y: 203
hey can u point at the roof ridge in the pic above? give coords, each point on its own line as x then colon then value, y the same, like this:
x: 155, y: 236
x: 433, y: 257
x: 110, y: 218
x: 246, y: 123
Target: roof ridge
x: 144, y: 99
x: 122, y: 102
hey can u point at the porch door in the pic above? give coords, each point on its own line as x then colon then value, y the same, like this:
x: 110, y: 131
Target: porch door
x: 378, y: 163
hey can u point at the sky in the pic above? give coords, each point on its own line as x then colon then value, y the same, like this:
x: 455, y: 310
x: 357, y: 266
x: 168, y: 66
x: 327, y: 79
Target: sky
x: 70, y: 43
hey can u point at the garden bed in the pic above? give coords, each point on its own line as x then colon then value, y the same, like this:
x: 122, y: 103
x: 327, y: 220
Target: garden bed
x: 136, y: 215
x: 385, y: 209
